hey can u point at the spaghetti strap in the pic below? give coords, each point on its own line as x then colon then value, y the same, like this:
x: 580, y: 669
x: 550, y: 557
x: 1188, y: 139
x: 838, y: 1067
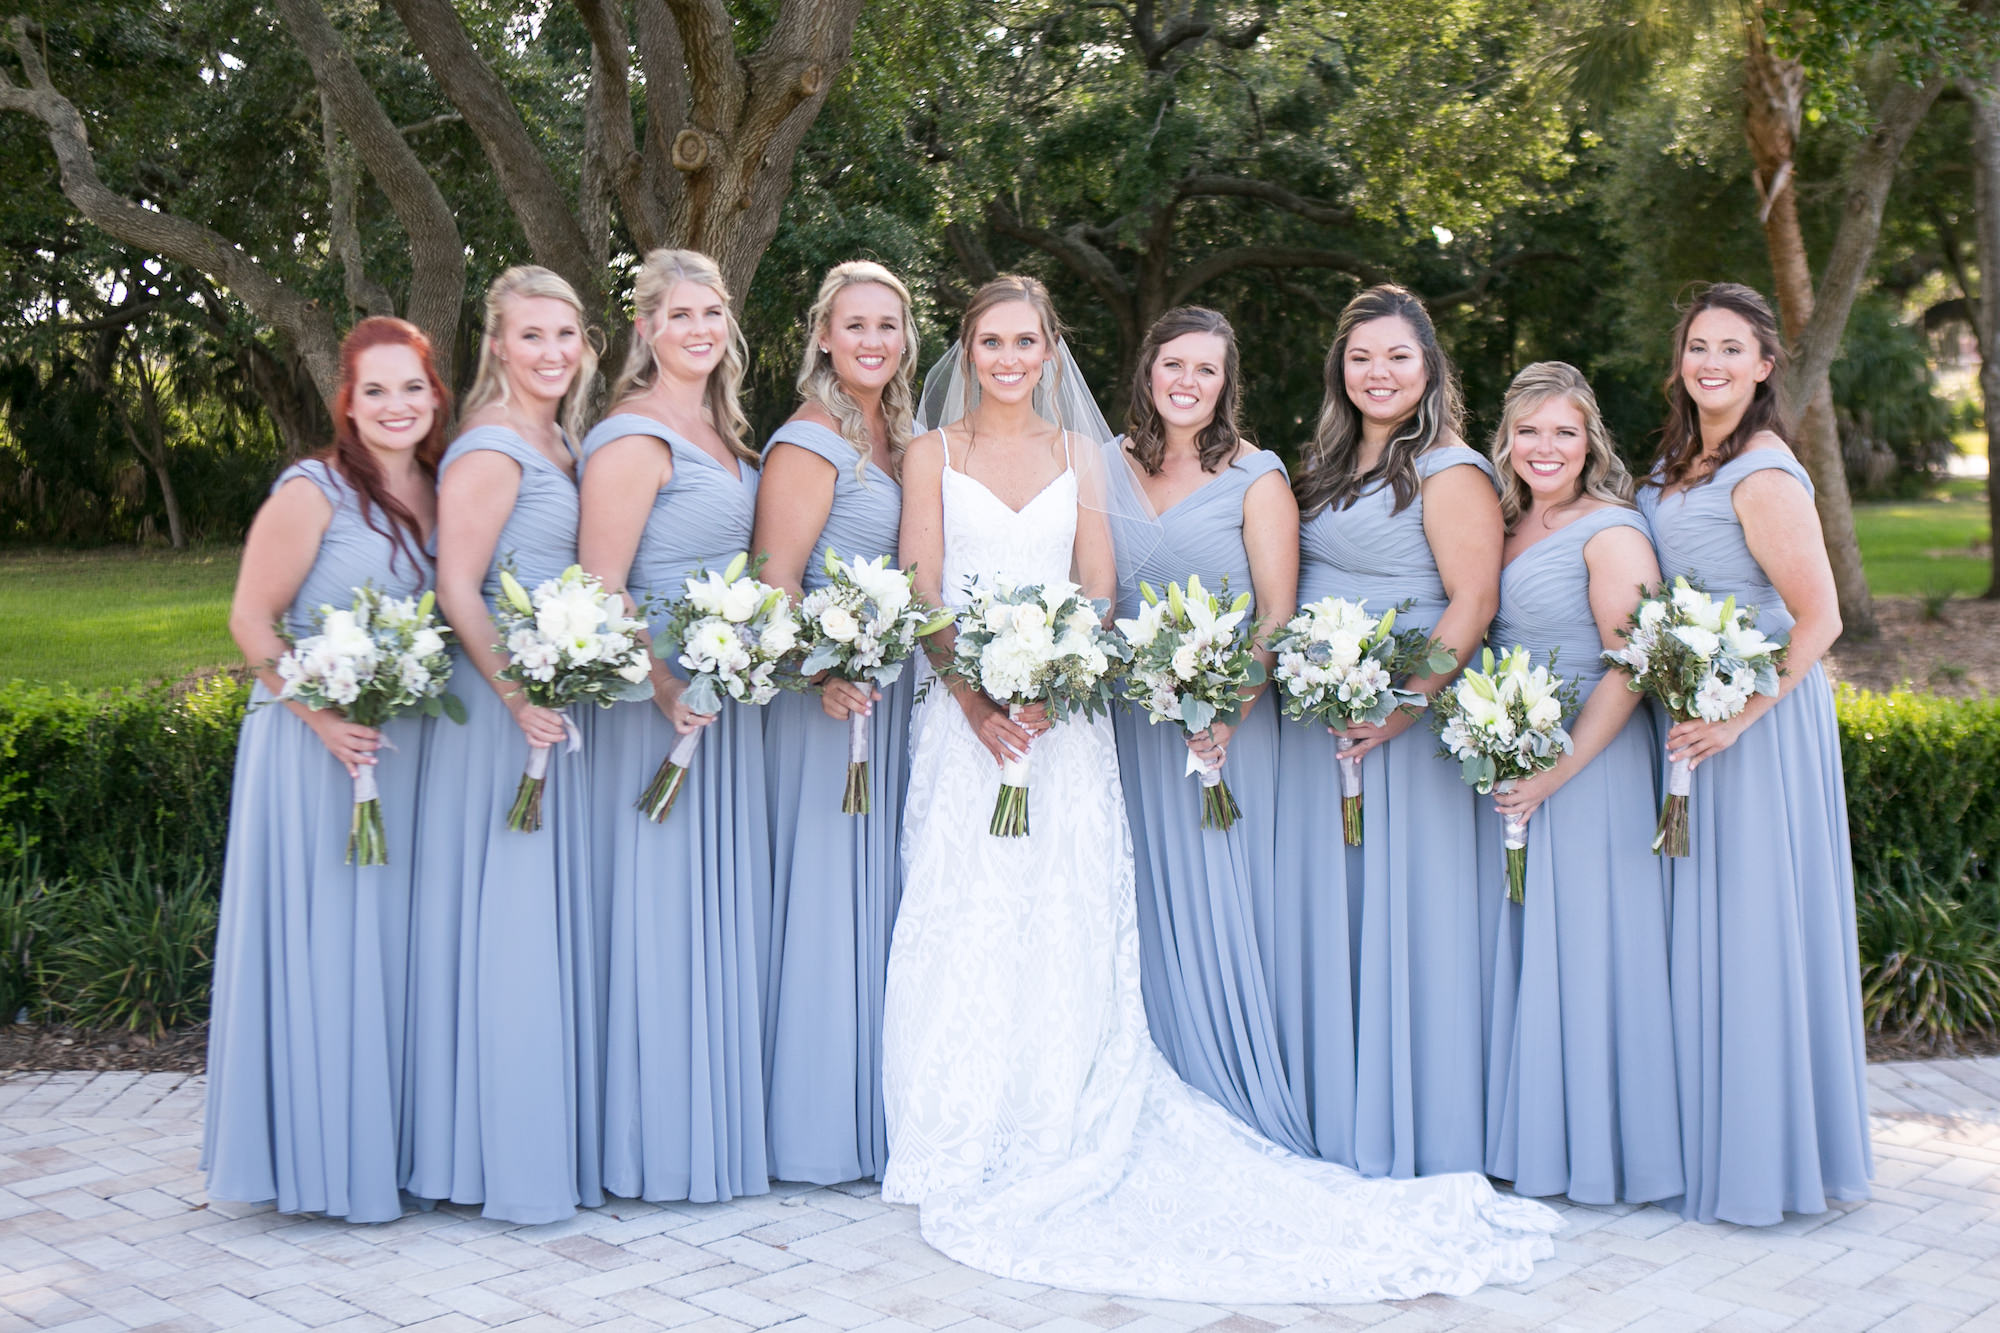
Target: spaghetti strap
x: 1068, y: 463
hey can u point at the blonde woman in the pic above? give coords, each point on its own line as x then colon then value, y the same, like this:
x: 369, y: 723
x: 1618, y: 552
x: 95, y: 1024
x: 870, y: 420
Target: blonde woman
x: 669, y: 486
x: 1580, y: 1080
x: 830, y: 482
x: 502, y: 1055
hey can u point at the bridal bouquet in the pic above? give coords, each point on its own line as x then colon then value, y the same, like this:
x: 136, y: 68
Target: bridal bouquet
x: 380, y: 658
x: 1503, y: 723
x: 1041, y: 644
x: 1191, y: 662
x: 1338, y: 665
x: 1701, y: 659
x: 862, y: 626
x: 568, y: 641
x: 733, y: 633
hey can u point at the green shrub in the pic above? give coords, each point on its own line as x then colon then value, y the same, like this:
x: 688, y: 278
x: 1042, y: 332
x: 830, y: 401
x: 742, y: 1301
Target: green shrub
x: 134, y: 947
x: 1923, y: 787
x: 22, y: 899
x: 1930, y: 957
x: 87, y: 780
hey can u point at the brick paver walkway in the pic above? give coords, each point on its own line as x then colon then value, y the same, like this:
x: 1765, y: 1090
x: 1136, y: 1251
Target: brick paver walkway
x: 104, y: 1225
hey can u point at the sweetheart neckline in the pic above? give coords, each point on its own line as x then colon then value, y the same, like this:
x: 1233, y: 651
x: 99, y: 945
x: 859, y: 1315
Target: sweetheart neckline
x: 988, y: 490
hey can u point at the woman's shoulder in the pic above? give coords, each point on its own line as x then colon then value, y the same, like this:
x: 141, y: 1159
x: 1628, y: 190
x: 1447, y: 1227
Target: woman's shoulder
x: 1765, y: 452
x: 1450, y: 452
x: 1258, y: 462
x: 813, y: 429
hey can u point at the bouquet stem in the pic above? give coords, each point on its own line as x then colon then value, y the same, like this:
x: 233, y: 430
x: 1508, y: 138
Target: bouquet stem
x: 367, y: 843
x: 856, y: 801
x: 525, y: 816
x: 1218, y: 808
x: 1671, y: 838
x: 657, y: 801
x: 1010, y: 807
x: 1516, y: 839
x: 1350, y: 791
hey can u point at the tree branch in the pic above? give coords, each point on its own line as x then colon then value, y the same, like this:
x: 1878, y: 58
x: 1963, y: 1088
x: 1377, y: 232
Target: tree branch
x: 1070, y: 246
x: 343, y: 186
x: 1199, y: 275
x: 1478, y: 286
x: 611, y: 94
x: 184, y: 242
x: 1277, y: 196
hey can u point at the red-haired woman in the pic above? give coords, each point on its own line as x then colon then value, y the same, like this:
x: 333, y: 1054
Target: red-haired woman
x: 305, y: 1044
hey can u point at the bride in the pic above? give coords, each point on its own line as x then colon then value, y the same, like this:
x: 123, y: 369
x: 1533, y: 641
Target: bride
x: 1030, y: 1115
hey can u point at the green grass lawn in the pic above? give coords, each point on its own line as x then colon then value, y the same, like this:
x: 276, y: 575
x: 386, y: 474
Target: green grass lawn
x: 1971, y: 443
x: 115, y: 617
x: 1915, y: 546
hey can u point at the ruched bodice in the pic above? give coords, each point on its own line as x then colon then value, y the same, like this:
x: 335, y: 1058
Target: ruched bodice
x: 1200, y: 534
x: 867, y: 511
x: 350, y: 553
x: 1368, y: 552
x: 1700, y: 538
x: 538, y: 541
x: 700, y: 519
x: 1545, y: 599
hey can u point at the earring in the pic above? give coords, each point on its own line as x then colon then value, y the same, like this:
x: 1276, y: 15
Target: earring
x: 822, y: 349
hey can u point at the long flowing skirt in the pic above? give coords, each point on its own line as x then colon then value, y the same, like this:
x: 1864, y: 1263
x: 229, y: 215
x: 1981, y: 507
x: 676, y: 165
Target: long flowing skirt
x: 1581, y: 1095
x: 502, y: 1059
x: 836, y: 879
x: 1766, y: 979
x: 1207, y: 929
x: 682, y: 908
x: 305, y: 1039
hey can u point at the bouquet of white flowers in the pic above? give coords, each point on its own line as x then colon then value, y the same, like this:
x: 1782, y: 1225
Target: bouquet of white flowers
x: 569, y: 641
x: 1191, y: 662
x: 862, y: 626
x: 1338, y: 665
x: 379, y: 659
x: 733, y: 633
x: 1503, y: 723
x: 1035, y: 644
x: 1701, y: 659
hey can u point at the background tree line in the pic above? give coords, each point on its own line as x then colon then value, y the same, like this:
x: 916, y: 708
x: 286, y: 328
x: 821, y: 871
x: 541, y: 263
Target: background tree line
x: 198, y: 196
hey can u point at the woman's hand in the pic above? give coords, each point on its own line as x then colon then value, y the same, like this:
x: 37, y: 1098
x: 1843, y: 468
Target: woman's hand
x: 841, y: 699
x: 542, y: 726
x: 1004, y: 737
x: 1527, y: 794
x: 1367, y: 735
x: 667, y: 698
x: 349, y: 742
x: 1211, y: 745
x: 1696, y: 741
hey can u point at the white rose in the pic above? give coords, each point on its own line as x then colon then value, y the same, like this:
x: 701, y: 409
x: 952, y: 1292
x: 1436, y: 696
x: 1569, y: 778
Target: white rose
x: 838, y: 624
x: 1652, y: 614
x: 779, y: 637
x: 741, y: 600
x: 427, y: 643
x: 635, y: 669
x: 1545, y: 713
x: 1703, y: 642
x: 1185, y: 661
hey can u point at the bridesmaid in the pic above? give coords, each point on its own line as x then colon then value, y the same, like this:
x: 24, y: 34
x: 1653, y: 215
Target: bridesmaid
x: 305, y: 1044
x: 1580, y: 1083
x: 669, y: 486
x: 1766, y: 984
x: 1190, y: 495
x: 504, y: 1046
x: 830, y: 481
x: 1394, y: 506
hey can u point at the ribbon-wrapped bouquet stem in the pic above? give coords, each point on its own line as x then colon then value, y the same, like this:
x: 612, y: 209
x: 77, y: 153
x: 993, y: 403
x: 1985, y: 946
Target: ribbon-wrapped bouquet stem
x: 1503, y: 723
x: 862, y: 625
x: 1192, y: 661
x: 1702, y: 659
x: 1339, y: 666
x: 733, y: 634
x: 378, y: 659
x: 569, y: 641
x: 1040, y: 643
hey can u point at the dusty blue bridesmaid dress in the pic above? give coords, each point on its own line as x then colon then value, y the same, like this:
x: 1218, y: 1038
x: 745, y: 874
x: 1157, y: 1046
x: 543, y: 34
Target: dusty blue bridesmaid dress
x: 305, y: 1037
x: 1206, y: 898
x: 1766, y: 981
x: 682, y: 907
x: 504, y: 1045
x: 836, y: 878
x: 1398, y: 918
x: 1580, y: 1079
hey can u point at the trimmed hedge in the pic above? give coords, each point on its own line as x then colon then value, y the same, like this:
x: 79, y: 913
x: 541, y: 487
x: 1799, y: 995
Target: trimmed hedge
x: 114, y: 806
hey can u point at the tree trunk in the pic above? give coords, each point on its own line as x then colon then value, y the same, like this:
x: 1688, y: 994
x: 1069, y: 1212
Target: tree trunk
x: 1985, y: 99
x: 156, y: 435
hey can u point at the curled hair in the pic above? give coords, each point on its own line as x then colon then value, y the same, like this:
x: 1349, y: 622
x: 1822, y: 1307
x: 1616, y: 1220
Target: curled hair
x: 819, y: 384
x: 1679, y: 461
x: 658, y: 276
x: 380, y: 509
x: 1145, y: 431
x: 999, y: 291
x: 489, y: 382
x: 1328, y: 472
x: 1604, y: 476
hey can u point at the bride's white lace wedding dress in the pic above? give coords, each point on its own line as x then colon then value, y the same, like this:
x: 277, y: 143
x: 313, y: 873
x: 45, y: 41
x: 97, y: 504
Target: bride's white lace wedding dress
x: 1030, y: 1114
